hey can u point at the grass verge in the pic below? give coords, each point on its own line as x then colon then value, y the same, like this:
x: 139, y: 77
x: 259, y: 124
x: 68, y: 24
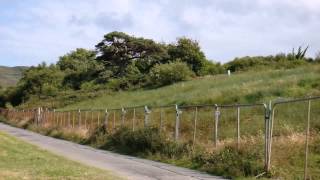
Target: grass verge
x: 20, y: 160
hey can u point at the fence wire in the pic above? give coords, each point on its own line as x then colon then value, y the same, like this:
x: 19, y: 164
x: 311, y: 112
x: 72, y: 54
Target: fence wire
x: 285, y: 135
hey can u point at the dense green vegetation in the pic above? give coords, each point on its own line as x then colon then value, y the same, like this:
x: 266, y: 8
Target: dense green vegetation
x: 246, y: 87
x: 125, y: 71
x: 121, y: 62
x: 19, y: 160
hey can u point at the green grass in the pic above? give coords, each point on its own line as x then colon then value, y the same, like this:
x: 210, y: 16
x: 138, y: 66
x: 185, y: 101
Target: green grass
x: 9, y: 76
x: 19, y: 160
x: 242, y: 87
x: 245, y: 87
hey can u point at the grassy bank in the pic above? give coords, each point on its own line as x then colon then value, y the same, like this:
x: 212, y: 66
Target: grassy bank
x: 247, y: 87
x: 19, y: 160
x: 243, y: 87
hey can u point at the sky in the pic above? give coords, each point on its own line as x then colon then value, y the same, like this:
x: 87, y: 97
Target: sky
x: 35, y: 31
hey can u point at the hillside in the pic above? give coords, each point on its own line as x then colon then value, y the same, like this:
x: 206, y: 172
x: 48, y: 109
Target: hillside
x: 245, y: 87
x: 9, y: 76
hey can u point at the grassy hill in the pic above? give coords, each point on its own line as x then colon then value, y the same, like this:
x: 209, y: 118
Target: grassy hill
x: 9, y: 76
x: 246, y: 87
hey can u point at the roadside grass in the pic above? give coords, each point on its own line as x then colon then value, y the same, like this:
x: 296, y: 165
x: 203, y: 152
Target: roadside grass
x: 20, y: 160
x: 226, y: 160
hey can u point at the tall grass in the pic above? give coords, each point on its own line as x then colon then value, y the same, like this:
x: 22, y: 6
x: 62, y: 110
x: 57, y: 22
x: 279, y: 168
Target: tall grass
x: 242, y: 87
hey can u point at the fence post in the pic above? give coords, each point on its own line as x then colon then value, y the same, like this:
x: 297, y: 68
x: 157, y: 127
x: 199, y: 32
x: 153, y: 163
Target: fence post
x: 146, y: 116
x: 123, y: 113
x: 54, y: 117
x: 106, y: 115
x: 79, y: 117
x: 307, y: 142
x: 114, y: 120
x: 69, y: 117
x: 133, y: 118
x: 73, y: 118
x: 195, y: 126
x: 238, y: 127
x: 216, y: 123
x: 161, y: 120
x: 178, y: 112
x: 38, y: 115
x: 269, y: 116
x: 85, y: 119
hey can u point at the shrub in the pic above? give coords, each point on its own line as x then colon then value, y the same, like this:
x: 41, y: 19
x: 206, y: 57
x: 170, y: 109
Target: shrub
x: 165, y: 74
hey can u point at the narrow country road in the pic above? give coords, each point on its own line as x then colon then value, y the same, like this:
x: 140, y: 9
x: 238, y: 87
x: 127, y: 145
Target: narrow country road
x: 125, y: 166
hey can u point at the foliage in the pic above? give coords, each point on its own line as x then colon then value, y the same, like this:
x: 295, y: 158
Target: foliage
x: 188, y: 51
x: 118, y: 50
x: 165, y: 74
x: 79, y: 66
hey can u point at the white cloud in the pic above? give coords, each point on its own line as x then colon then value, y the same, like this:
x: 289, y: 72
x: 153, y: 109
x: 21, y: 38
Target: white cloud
x: 44, y: 30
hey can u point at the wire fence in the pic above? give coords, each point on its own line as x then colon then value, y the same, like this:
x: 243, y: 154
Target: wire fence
x: 282, y: 129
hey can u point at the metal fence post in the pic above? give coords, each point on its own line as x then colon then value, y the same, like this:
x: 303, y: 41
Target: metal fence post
x: 161, y: 120
x: 178, y: 112
x: 69, y: 119
x: 133, y: 118
x: 238, y: 127
x: 38, y: 115
x: 106, y: 118
x: 269, y: 116
x: 85, y: 119
x: 307, y: 142
x: 98, y: 118
x: 216, y: 124
x: 79, y: 117
x: 146, y: 116
x: 195, y: 126
x: 123, y: 115
x: 114, y: 120
x: 54, y: 117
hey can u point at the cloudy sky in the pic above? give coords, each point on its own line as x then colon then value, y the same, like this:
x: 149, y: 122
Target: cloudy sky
x: 32, y: 31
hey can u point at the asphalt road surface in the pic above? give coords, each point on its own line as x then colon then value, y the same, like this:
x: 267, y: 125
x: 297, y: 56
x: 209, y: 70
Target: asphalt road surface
x: 125, y: 166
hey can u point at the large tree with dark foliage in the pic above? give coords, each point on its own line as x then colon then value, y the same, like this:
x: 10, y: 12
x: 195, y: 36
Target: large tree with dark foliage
x: 188, y: 51
x: 118, y: 50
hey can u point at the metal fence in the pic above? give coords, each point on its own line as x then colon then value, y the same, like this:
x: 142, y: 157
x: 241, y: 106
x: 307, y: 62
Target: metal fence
x: 275, y: 129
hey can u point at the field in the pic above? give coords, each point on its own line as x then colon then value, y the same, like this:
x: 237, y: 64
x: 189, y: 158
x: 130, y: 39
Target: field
x: 246, y: 87
x: 197, y: 122
x: 19, y: 160
x: 9, y: 76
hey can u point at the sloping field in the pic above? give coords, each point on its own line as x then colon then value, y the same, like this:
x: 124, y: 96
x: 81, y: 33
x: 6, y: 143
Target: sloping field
x: 9, y: 76
x: 246, y: 87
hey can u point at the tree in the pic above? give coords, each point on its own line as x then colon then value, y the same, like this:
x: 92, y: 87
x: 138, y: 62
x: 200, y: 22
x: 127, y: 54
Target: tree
x: 188, y: 51
x: 118, y: 50
x: 79, y: 66
x: 35, y: 79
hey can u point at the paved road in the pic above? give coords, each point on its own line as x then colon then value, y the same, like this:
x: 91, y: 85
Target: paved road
x: 125, y: 166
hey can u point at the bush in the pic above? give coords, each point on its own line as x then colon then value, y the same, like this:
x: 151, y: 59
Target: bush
x: 166, y: 74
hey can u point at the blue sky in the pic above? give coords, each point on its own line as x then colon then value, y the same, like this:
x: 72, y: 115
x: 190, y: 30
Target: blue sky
x: 32, y: 31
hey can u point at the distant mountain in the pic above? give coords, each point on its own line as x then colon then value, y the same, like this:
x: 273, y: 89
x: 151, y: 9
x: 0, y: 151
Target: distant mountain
x: 9, y: 76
